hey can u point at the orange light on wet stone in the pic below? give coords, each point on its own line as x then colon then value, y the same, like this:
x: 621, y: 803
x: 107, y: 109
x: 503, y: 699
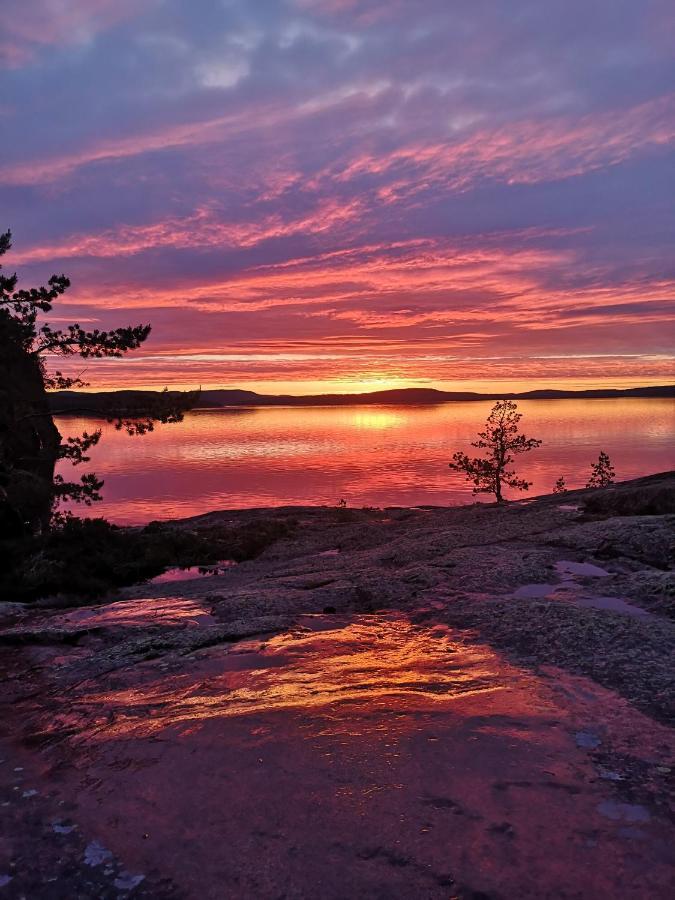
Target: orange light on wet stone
x: 396, y: 752
x: 369, y: 663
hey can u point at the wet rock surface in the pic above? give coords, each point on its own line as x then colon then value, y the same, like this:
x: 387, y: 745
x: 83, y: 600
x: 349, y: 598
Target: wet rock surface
x: 383, y: 704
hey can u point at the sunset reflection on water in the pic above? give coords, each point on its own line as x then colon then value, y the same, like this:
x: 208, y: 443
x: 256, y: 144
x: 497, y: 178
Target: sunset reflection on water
x: 371, y: 456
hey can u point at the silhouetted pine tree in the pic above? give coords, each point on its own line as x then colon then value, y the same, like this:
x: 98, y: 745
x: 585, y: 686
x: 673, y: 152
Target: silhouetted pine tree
x: 502, y: 441
x: 560, y: 487
x: 602, y: 472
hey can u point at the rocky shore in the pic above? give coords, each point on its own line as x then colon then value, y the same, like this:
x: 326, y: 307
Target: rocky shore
x: 471, y: 702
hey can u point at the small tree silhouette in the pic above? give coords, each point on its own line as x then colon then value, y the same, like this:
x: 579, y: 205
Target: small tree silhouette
x: 560, y: 487
x: 602, y: 472
x: 502, y: 441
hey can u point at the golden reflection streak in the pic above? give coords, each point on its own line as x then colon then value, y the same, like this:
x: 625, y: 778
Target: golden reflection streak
x: 376, y: 420
x: 361, y: 664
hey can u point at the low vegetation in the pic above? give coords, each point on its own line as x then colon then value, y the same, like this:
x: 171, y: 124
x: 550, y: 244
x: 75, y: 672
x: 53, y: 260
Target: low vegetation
x: 88, y: 557
x: 654, y: 496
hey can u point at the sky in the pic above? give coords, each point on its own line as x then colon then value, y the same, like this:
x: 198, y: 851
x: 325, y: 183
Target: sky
x: 310, y: 195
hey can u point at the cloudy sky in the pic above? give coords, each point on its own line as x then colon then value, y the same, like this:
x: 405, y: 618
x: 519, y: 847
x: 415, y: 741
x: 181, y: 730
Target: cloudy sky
x: 349, y: 194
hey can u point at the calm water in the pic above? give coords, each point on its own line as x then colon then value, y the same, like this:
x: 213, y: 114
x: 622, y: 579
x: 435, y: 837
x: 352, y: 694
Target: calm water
x: 371, y: 456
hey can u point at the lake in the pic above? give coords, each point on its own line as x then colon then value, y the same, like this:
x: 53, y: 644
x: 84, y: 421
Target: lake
x: 368, y: 455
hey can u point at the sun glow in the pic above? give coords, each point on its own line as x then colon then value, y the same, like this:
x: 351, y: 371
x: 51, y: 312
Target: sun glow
x: 376, y: 420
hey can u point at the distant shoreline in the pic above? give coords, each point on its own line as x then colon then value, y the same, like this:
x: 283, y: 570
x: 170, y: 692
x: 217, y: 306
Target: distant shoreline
x: 79, y: 402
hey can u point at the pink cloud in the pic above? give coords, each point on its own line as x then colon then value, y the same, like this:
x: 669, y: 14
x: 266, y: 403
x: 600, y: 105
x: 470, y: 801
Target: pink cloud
x: 521, y: 152
x: 29, y: 27
x: 426, y: 268
x: 202, y: 229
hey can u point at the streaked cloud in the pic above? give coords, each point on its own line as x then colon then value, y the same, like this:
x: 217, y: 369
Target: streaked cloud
x: 371, y: 193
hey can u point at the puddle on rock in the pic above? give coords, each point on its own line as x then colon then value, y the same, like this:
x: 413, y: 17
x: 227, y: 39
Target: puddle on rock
x: 570, y: 592
x: 170, y: 576
x: 567, y: 568
x: 568, y: 589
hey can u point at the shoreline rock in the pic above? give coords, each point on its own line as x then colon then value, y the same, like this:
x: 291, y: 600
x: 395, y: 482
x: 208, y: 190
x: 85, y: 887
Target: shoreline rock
x: 376, y: 690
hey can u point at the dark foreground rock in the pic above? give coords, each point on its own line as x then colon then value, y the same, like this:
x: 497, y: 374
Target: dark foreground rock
x: 468, y: 702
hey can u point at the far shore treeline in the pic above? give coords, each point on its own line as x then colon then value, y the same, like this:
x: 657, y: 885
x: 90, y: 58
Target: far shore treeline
x: 93, y: 403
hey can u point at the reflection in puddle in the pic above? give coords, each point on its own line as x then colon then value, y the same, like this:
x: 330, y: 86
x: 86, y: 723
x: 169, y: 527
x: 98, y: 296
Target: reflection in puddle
x: 171, y: 576
x: 363, y: 663
x: 569, y: 589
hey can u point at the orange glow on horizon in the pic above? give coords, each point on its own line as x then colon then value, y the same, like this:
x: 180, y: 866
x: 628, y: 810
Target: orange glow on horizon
x: 367, y: 385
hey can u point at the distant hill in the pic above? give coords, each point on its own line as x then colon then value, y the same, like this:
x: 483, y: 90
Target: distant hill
x: 100, y: 401
x: 74, y: 402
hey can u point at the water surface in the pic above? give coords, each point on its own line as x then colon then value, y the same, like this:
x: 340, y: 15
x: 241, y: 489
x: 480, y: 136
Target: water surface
x: 370, y: 456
